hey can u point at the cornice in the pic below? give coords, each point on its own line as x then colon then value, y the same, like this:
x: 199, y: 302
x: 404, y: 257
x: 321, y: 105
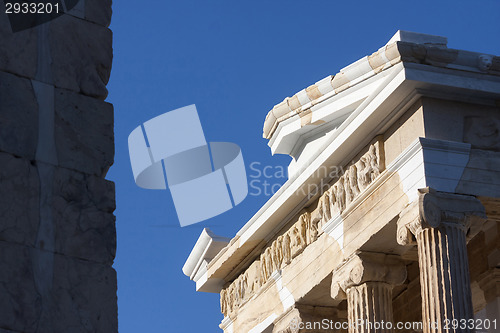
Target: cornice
x: 404, y: 47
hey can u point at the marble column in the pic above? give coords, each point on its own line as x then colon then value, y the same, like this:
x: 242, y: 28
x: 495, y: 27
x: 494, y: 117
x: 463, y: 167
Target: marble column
x: 366, y: 280
x: 440, y: 224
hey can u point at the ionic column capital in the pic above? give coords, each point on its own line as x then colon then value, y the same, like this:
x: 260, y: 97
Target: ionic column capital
x: 366, y: 267
x: 434, y: 209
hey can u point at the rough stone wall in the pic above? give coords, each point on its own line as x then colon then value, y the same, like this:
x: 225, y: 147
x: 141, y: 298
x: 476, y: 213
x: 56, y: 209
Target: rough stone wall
x: 57, y: 228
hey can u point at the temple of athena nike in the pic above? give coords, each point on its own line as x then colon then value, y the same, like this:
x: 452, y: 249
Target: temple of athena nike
x: 390, y: 216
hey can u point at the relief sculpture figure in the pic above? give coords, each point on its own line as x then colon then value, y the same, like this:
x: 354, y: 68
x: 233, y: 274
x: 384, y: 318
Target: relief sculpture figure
x: 340, y: 194
x: 269, y: 263
x: 287, y: 249
x: 263, y: 268
x: 325, y: 207
x: 302, y: 224
x: 223, y: 302
x: 279, y: 251
x: 295, y: 241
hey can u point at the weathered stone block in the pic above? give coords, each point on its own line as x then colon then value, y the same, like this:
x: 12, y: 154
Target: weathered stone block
x: 18, y: 115
x: 84, y: 298
x: 19, y: 299
x: 61, y: 304
x: 81, y: 54
x: 19, y: 207
x: 83, y: 133
x: 98, y: 11
x: 18, y: 49
x: 83, y: 208
x: 7, y: 331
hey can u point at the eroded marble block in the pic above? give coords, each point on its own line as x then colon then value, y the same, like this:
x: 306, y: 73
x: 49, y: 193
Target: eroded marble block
x: 57, y: 298
x: 83, y: 133
x: 18, y: 114
x: 19, y: 300
x: 83, y: 208
x: 84, y: 298
x: 81, y: 54
x: 19, y: 204
x: 98, y: 11
x: 18, y: 50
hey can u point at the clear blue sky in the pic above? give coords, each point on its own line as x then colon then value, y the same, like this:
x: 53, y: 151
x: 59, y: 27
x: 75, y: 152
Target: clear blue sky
x: 234, y: 60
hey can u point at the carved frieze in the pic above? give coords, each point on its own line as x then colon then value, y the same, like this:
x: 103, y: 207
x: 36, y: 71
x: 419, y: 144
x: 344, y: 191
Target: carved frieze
x: 345, y: 189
